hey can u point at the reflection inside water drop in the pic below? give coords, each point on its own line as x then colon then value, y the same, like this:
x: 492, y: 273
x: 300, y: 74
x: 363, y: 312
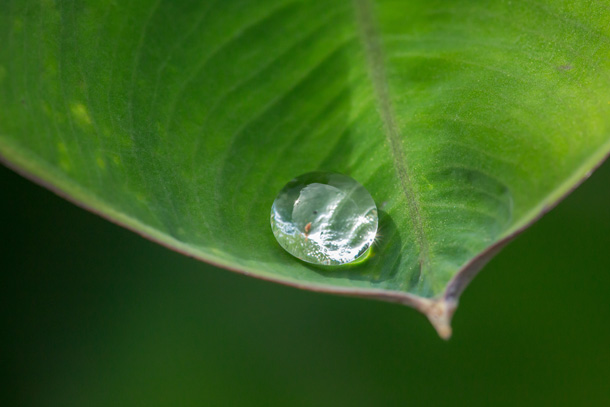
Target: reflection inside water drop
x: 324, y: 218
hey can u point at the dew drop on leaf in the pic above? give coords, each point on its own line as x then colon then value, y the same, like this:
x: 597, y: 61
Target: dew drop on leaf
x: 324, y: 218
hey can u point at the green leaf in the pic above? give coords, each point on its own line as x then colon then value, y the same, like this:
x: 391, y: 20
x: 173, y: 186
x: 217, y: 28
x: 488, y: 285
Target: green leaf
x: 183, y: 119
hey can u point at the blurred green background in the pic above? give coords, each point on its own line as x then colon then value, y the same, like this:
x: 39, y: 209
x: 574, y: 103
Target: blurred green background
x: 95, y: 315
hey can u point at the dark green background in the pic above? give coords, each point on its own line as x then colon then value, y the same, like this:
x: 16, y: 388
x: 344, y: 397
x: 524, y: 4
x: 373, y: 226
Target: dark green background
x: 95, y: 315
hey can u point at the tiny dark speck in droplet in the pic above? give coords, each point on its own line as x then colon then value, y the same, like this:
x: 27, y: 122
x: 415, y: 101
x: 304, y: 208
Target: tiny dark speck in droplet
x: 315, y: 212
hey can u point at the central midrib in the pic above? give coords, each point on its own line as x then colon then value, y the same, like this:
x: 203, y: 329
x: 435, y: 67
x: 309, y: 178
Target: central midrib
x: 375, y: 61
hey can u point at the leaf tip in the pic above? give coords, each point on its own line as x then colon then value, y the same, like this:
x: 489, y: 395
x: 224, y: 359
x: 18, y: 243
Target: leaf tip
x: 440, y: 313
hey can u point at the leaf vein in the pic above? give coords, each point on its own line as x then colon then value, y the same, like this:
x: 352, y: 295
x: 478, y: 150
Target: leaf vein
x: 374, y: 54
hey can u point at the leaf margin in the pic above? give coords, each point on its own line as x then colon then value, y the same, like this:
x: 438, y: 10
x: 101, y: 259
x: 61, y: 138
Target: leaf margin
x: 439, y: 310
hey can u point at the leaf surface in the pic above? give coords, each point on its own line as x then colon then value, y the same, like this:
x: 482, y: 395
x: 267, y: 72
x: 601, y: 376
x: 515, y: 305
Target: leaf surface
x: 183, y: 119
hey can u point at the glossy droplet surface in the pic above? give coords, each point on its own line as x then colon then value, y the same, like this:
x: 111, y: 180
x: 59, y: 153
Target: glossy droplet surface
x: 324, y: 218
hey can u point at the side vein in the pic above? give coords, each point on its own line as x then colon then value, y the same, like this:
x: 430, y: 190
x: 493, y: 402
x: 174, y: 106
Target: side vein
x: 374, y: 55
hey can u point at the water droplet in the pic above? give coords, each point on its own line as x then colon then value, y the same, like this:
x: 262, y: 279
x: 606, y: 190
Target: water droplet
x: 324, y: 218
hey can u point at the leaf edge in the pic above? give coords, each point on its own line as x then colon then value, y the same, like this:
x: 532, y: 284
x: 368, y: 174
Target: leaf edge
x: 439, y: 310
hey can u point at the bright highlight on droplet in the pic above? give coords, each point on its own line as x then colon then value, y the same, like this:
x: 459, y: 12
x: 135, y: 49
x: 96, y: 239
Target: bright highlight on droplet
x: 324, y: 218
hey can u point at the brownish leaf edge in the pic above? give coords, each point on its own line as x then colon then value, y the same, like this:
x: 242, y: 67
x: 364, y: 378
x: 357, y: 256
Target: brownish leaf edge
x: 439, y: 310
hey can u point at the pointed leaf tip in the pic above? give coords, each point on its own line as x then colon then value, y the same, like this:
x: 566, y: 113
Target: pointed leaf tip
x: 440, y: 313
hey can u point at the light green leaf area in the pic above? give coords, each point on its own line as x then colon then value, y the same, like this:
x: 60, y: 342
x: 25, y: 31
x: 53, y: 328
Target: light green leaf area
x: 183, y: 119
